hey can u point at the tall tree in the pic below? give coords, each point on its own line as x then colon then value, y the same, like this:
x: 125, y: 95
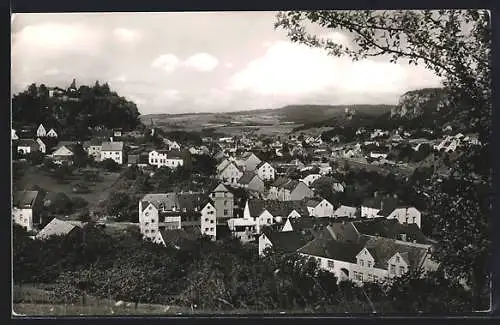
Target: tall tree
x: 455, y: 45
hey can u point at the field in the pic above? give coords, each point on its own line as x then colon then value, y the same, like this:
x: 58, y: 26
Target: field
x: 99, y: 190
x: 35, y: 301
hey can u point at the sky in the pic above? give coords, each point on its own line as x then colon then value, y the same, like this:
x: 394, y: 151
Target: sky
x: 189, y: 62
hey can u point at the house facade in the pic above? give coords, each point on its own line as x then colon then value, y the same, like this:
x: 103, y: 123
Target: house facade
x: 167, y: 158
x: 52, y: 133
x: 26, y: 208
x: 223, y: 202
x: 251, y: 181
x: 112, y: 150
x: 230, y: 174
x: 265, y: 171
x: 41, y: 132
x: 209, y: 221
x: 324, y: 209
x: 27, y: 146
x: 406, y: 216
x: 62, y: 155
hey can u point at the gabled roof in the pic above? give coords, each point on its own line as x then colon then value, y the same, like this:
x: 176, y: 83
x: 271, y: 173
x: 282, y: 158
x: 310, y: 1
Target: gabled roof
x: 220, y: 188
x: 324, y: 179
x: 247, y: 177
x: 280, y: 181
x: 291, y: 185
x: 63, y: 151
x: 191, y: 201
x: 262, y: 163
x: 288, y: 241
x: 312, y: 203
x: 168, y: 199
x: 382, y: 249
x: 332, y: 249
x: 23, y: 199
x: 277, y: 208
x: 56, y: 227
x: 112, y: 146
x: 177, y: 237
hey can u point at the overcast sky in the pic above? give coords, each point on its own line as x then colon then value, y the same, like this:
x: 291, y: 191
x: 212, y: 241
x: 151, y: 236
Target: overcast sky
x: 198, y: 62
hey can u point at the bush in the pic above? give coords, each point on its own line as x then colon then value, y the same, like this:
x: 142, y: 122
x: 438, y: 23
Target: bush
x: 78, y: 202
x: 110, y: 165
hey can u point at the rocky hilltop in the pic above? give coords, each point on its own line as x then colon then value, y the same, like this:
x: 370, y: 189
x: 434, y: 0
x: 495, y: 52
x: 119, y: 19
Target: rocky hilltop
x: 416, y: 103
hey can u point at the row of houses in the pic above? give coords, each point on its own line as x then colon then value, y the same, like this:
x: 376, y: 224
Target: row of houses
x: 360, y: 251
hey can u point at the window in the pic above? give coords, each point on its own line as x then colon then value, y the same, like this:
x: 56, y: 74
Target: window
x: 225, y: 202
x: 211, y: 221
x: 146, y: 224
x: 392, y: 269
x: 358, y: 276
x: 370, y: 277
x: 369, y: 264
x: 401, y: 269
x: 211, y: 229
x: 206, y: 229
x: 147, y: 213
x: 331, y: 264
x: 146, y: 231
x: 225, y: 212
x: 375, y: 278
x: 397, y: 259
x: 269, y: 221
x: 361, y: 262
x: 152, y: 230
x: 152, y: 220
x: 414, y: 218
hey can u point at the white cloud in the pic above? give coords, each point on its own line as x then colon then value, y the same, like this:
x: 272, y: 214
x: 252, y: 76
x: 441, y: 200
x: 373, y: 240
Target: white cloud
x: 127, y: 35
x: 167, y: 62
x: 202, y: 62
x: 229, y: 65
x: 120, y: 78
x: 55, y: 39
x: 294, y: 70
x: 171, y: 94
x: 51, y: 72
x: 267, y: 44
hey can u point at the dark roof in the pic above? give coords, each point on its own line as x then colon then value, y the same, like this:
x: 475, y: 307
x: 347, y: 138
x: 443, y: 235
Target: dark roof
x: 391, y: 229
x: 25, y: 198
x: 277, y: 208
x: 288, y: 241
x: 112, y: 146
x: 382, y: 249
x: 261, y: 164
x: 327, y: 247
x: 26, y: 142
x: 374, y: 202
x: 388, y: 206
x: 222, y: 231
x: 292, y: 184
x: 247, y: 177
x: 280, y: 181
x: 177, y: 237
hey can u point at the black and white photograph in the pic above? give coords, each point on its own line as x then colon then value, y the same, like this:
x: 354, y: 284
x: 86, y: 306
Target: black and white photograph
x: 315, y: 162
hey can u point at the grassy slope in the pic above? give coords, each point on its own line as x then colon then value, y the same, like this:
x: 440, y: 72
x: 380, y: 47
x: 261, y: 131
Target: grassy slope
x: 32, y: 176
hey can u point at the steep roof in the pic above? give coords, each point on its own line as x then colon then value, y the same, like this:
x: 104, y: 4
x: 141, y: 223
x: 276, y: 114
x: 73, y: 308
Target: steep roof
x: 220, y: 187
x: 112, y: 146
x: 175, y: 154
x: 262, y: 163
x: 312, y: 203
x: 280, y: 181
x: 382, y: 249
x: 63, y: 151
x: 277, y: 208
x: 291, y: 185
x: 247, y: 177
x: 24, y: 198
x: 177, y: 237
x: 288, y: 241
x: 324, y: 179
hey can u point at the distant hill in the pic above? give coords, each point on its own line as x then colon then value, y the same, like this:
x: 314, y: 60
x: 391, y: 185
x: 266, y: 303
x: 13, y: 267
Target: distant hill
x: 316, y: 113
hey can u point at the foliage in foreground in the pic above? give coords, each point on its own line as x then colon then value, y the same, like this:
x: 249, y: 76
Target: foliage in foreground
x: 219, y: 276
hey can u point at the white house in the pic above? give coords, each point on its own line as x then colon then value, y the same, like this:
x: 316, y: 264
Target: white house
x: 27, y: 146
x: 52, y: 133
x: 26, y: 208
x: 242, y: 228
x: 287, y: 226
x: 230, y: 174
x: 363, y: 259
x: 449, y: 144
x: 209, y: 221
x: 345, y: 211
x: 13, y: 135
x: 41, y: 146
x: 41, y: 132
x: 112, y: 150
x: 62, y: 154
x: 406, y: 216
x: 265, y: 171
x: 323, y: 209
x: 171, y: 159
x: 377, y: 155
x: 309, y: 179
